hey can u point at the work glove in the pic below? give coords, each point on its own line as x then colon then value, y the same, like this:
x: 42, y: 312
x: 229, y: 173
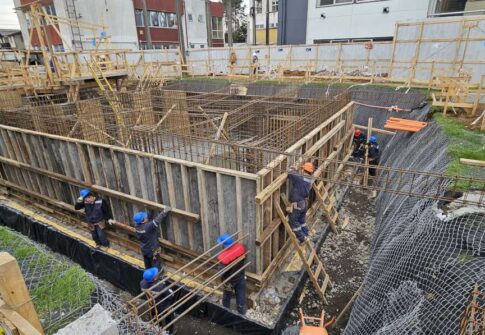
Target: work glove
x: 111, y: 222
x: 167, y: 209
x: 80, y: 199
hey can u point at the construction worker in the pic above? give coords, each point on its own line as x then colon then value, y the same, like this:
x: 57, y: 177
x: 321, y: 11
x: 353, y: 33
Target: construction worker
x: 232, y: 251
x: 97, y: 214
x: 359, y: 144
x: 373, y: 154
x: 151, y: 281
x: 147, y: 233
x: 255, y: 60
x: 300, y: 186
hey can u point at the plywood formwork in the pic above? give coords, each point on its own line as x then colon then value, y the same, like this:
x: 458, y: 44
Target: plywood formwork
x: 209, y: 163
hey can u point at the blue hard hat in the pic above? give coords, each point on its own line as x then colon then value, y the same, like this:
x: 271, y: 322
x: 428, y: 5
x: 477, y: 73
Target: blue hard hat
x: 140, y: 217
x: 84, y: 192
x: 149, y: 274
x: 226, y: 240
x: 373, y: 139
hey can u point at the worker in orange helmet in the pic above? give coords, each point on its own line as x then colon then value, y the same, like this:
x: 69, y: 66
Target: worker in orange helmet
x: 300, y: 186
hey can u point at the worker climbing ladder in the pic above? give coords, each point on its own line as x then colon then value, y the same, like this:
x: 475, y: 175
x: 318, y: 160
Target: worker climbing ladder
x: 309, y: 256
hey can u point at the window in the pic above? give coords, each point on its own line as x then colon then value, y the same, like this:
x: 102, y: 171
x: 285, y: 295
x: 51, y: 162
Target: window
x: 259, y: 7
x: 162, y: 19
x: 59, y: 48
x: 171, y: 19
x: 202, y: 46
x: 192, y: 46
x: 28, y: 19
x: 456, y: 7
x: 260, y: 26
x: 274, y: 5
x: 154, y: 19
x: 189, y: 17
x: 200, y: 18
x: 217, y: 30
x: 333, y: 2
x: 139, y: 18
x: 50, y: 9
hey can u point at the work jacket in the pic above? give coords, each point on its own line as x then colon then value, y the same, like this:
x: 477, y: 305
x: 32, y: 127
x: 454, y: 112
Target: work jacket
x: 230, y: 255
x: 300, y: 187
x: 96, y: 212
x: 374, y: 153
x: 148, y: 234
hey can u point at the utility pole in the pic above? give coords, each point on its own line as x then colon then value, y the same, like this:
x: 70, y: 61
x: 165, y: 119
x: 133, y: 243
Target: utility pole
x: 208, y: 19
x: 180, y: 30
x: 254, y: 22
x: 229, y: 22
x: 146, y: 18
x: 267, y: 22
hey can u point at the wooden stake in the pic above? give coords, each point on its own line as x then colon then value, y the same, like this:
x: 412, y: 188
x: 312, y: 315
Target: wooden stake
x: 14, y: 291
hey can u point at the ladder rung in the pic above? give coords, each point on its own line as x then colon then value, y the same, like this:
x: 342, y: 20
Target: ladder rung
x: 325, y: 283
x: 319, y: 269
x: 312, y: 256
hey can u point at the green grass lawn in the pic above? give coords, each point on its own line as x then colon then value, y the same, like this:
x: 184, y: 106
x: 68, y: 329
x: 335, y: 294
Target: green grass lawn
x: 59, y: 289
x: 463, y: 143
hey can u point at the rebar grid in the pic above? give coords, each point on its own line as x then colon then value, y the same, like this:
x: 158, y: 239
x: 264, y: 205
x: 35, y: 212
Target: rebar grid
x: 473, y: 321
x: 215, y: 128
x: 200, y: 279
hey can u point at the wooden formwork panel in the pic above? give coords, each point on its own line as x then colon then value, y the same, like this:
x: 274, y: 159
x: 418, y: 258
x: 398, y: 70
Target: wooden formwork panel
x: 207, y: 201
x: 331, y: 140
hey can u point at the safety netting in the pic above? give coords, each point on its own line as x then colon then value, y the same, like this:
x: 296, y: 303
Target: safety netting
x: 426, y: 256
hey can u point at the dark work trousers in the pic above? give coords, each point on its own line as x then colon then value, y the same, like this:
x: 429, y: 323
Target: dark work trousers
x: 298, y: 223
x: 151, y: 260
x: 99, y: 236
x: 372, y: 171
x: 239, y: 288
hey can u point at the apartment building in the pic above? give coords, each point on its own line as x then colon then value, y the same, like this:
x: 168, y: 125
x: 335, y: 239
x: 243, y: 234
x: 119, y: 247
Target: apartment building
x: 130, y: 24
x: 263, y: 21
x: 326, y: 21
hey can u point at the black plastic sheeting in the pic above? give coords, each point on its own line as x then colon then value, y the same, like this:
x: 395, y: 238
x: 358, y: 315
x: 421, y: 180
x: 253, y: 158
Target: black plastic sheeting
x: 127, y: 276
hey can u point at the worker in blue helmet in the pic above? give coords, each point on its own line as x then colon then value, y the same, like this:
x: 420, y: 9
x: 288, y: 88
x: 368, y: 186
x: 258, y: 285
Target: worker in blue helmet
x: 373, y: 154
x: 147, y: 232
x: 232, y: 257
x: 97, y: 214
x: 153, y: 285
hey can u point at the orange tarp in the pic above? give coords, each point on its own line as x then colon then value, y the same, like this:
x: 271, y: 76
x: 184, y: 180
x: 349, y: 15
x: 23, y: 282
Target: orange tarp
x: 398, y: 124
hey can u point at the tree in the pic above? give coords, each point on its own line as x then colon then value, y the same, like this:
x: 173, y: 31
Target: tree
x: 241, y: 33
x: 235, y: 20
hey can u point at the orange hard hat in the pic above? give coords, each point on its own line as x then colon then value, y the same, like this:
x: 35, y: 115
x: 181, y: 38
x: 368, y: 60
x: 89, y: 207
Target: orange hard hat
x: 308, y: 167
x: 357, y: 133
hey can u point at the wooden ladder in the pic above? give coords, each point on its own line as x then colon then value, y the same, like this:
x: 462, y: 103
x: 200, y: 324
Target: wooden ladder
x: 309, y: 256
x: 328, y: 201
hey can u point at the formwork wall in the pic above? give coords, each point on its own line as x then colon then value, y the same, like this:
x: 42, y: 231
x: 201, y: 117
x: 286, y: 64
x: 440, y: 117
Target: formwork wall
x: 208, y: 201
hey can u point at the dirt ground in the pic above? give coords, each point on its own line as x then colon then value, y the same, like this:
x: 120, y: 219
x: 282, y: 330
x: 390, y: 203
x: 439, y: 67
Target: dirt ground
x: 345, y: 257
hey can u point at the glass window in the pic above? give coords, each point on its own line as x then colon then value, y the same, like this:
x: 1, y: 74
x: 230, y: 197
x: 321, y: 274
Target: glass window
x: 171, y: 19
x: 200, y: 18
x: 28, y: 19
x: 163, y: 19
x: 154, y: 19
x: 50, y: 9
x: 189, y: 17
x: 259, y: 7
x: 139, y: 18
x: 274, y: 5
x: 333, y: 2
x: 217, y: 30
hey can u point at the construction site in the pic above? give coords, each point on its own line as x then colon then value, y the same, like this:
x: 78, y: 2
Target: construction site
x: 215, y: 139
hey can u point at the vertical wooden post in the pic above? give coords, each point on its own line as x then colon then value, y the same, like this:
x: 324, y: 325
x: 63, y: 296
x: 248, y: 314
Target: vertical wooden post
x: 14, y: 291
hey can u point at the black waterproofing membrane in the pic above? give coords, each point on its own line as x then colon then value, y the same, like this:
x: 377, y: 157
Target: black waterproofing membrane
x: 127, y: 277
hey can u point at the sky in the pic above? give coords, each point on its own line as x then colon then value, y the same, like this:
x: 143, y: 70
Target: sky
x: 8, y: 18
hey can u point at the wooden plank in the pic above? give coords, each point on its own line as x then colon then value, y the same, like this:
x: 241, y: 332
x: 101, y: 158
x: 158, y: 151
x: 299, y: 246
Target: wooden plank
x: 472, y: 162
x: 203, y: 209
x: 14, y: 292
